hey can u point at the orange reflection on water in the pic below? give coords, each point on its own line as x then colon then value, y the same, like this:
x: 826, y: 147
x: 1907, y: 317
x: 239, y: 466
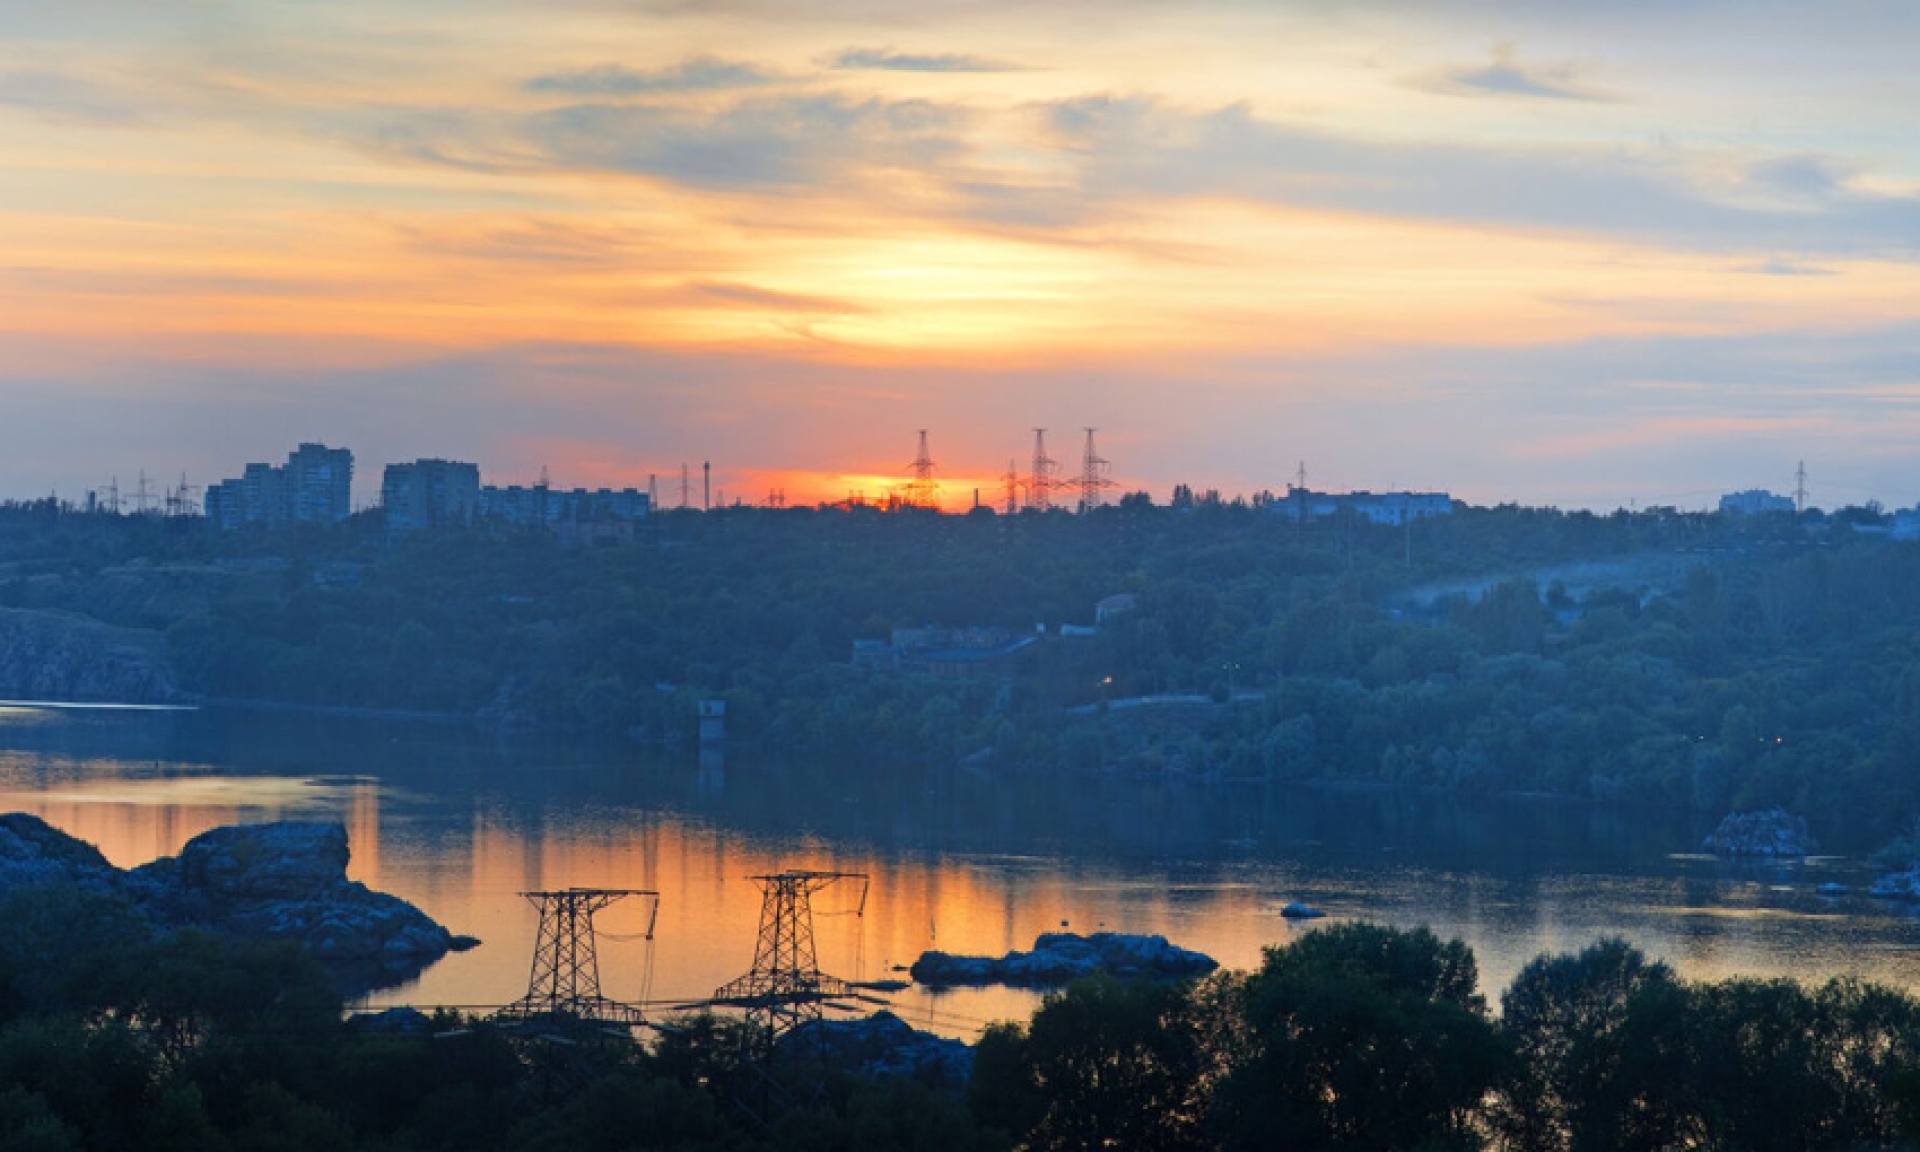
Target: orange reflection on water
x: 135, y: 821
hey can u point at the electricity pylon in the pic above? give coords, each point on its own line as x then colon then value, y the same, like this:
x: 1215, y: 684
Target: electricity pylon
x: 563, y: 990
x: 1094, y: 481
x: 923, y: 491
x: 786, y: 988
x: 1041, y: 481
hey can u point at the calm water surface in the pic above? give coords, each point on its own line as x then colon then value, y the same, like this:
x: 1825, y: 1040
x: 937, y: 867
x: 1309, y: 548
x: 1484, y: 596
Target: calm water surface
x: 459, y: 824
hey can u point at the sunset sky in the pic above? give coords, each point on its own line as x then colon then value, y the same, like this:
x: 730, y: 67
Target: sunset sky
x: 1547, y: 251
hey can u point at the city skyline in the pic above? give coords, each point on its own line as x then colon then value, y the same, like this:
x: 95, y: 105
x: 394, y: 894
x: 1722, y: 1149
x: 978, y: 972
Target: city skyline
x: 691, y: 486
x: 1539, y: 252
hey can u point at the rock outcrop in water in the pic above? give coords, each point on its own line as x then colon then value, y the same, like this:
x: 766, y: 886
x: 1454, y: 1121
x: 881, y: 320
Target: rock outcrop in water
x: 1902, y: 885
x: 285, y: 881
x: 1770, y: 833
x: 1063, y: 957
x: 883, y: 1046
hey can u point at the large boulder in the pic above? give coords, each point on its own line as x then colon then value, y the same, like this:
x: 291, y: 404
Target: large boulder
x: 1063, y: 957
x: 284, y: 881
x: 288, y: 881
x: 883, y: 1046
x: 1769, y: 833
x: 286, y: 861
x: 33, y: 851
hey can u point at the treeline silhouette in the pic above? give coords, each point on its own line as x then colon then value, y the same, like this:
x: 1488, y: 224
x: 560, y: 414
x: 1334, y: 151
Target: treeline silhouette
x: 1704, y: 661
x: 1354, y: 1037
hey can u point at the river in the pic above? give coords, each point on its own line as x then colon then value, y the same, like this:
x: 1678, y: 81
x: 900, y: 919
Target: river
x: 460, y: 823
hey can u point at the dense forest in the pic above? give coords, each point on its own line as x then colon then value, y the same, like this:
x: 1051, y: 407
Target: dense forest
x: 1355, y: 1038
x: 1680, y: 658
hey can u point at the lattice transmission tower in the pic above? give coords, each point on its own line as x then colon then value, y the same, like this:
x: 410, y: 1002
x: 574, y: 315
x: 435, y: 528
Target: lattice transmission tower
x: 1040, y: 482
x: 1094, y: 481
x: 922, y: 491
x: 1010, y: 488
x: 786, y: 988
x: 563, y: 990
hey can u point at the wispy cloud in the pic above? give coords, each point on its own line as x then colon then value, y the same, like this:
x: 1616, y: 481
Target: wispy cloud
x: 1779, y: 267
x: 65, y: 99
x: 761, y: 143
x: 1505, y: 75
x: 748, y: 296
x: 888, y: 60
x: 1140, y: 148
x: 700, y: 74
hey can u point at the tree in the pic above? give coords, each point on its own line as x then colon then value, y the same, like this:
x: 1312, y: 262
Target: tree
x: 1363, y: 1037
x: 1105, y: 1064
x: 1565, y: 1014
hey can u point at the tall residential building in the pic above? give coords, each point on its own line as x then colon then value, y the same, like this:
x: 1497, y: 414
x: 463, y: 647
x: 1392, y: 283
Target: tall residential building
x: 430, y: 494
x: 314, y: 486
x: 226, y: 504
x: 319, y: 483
x: 540, y: 504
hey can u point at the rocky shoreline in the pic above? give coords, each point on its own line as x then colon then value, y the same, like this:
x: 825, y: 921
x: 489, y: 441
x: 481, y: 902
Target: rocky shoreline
x: 1062, y: 957
x: 282, y: 881
x: 1772, y: 833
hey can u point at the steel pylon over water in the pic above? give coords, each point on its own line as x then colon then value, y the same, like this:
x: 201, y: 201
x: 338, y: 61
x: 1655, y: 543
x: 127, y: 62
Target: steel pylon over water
x: 563, y: 989
x: 786, y: 988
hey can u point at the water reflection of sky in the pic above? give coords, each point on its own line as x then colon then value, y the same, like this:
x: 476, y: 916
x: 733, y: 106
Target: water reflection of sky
x: 965, y: 862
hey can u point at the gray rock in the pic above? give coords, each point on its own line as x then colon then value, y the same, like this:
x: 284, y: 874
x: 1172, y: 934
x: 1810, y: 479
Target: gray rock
x: 286, y: 861
x: 1063, y: 957
x: 1770, y: 833
x: 392, y: 1022
x: 57, y: 656
x: 1903, y: 885
x: 259, y: 882
x: 35, y: 852
x: 883, y: 1046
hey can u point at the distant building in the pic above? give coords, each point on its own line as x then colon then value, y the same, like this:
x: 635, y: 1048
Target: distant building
x: 1375, y: 507
x: 1115, y: 605
x: 538, y: 504
x: 955, y: 652
x: 314, y: 486
x: 226, y: 504
x: 430, y: 494
x: 1754, y: 502
x: 319, y: 484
